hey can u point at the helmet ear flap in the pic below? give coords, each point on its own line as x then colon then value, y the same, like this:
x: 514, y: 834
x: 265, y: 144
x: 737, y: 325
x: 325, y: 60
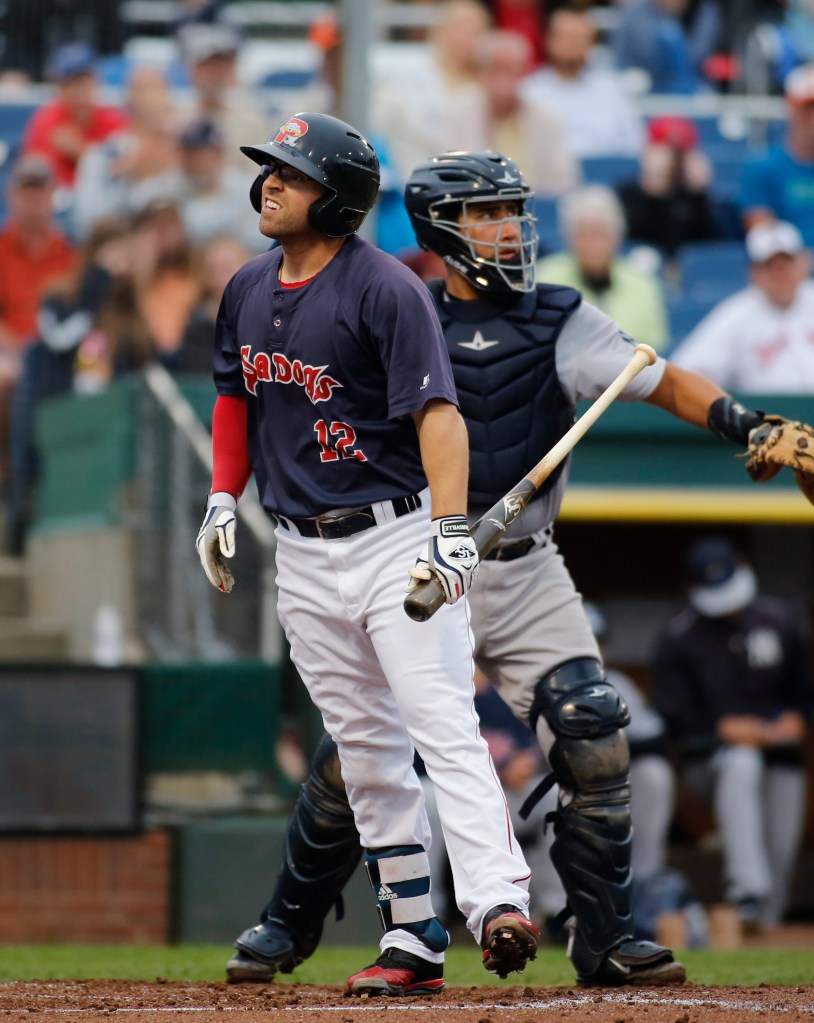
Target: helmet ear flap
x: 256, y: 192
x: 329, y: 218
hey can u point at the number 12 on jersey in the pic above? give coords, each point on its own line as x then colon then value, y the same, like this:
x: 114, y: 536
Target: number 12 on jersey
x: 337, y: 440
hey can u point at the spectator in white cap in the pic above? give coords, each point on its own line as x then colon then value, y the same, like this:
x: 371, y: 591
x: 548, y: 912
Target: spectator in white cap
x: 778, y: 184
x: 731, y: 678
x: 759, y: 339
x: 210, y: 54
x: 133, y: 166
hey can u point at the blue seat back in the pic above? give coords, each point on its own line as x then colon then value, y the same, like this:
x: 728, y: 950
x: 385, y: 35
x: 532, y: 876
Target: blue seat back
x: 709, y: 271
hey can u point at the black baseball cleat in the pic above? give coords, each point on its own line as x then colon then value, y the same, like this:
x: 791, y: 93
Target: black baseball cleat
x: 509, y: 940
x: 640, y: 963
x: 262, y: 952
x: 749, y: 910
x: 396, y: 973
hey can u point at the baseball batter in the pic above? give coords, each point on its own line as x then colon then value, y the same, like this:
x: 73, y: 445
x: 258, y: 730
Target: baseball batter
x: 335, y: 390
x: 523, y: 354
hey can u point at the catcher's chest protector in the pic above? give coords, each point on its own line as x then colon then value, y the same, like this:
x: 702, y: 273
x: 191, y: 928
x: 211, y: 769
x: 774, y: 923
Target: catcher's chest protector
x: 503, y: 359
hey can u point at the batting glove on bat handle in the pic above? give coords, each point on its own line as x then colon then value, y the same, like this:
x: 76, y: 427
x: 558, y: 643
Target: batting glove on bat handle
x: 448, y: 564
x: 216, y: 540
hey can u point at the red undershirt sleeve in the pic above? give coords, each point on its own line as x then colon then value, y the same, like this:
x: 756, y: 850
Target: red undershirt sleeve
x: 230, y: 449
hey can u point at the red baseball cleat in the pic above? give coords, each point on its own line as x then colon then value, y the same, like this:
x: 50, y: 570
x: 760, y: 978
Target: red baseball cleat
x: 509, y: 940
x: 396, y: 973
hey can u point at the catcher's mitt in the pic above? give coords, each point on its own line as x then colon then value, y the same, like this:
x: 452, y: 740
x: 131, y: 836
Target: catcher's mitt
x: 781, y: 442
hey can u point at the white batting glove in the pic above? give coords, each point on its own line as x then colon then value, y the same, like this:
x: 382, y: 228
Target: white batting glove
x: 450, y: 554
x: 216, y: 540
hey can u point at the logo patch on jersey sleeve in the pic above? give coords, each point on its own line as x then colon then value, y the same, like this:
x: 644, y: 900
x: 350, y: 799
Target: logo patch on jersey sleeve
x: 292, y: 130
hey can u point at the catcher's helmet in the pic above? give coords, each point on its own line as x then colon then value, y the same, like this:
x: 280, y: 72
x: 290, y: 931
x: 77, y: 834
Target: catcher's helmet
x: 438, y: 191
x: 328, y: 151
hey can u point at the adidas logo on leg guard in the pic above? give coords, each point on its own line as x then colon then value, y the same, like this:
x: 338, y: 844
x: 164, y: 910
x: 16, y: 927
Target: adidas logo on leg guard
x: 509, y: 941
x: 400, y: 877
x: 396, y: 973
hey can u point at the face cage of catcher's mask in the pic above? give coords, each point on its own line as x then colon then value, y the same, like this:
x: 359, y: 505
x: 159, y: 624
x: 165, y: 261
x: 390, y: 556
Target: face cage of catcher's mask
x: 519, y: 275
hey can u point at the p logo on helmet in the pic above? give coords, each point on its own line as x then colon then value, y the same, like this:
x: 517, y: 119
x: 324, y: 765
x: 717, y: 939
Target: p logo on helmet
x: 292, y: 130
x: 336, y: 156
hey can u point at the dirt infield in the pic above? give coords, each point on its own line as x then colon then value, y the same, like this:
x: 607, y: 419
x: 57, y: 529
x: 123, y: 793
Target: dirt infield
x: 163, y: 1002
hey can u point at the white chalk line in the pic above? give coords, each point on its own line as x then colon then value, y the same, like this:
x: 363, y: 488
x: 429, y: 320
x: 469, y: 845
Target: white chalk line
x: 377, y: 1005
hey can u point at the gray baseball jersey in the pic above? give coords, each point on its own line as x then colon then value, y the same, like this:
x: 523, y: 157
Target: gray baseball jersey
x: 519, y: 366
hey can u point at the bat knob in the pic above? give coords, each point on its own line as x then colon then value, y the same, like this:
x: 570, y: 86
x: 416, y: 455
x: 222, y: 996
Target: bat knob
x: 649, y: 352
x: 421, y: 603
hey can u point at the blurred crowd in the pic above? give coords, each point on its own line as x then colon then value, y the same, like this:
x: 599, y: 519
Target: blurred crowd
x: 124, y: 218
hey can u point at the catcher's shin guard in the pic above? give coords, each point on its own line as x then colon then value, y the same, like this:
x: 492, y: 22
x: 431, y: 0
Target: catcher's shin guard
x: 592, y: 848
x: 400, y: 877
x: 321, y: 852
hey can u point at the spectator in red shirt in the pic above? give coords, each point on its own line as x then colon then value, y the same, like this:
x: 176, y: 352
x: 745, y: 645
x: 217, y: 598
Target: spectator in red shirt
x: 34, y: 254
x: 62, y: 129
x: 33, y: 251
x: 526, y: 17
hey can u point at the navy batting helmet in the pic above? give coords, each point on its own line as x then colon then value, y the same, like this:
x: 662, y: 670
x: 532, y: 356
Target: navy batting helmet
x: 332, y: 153
x: 440, y: 189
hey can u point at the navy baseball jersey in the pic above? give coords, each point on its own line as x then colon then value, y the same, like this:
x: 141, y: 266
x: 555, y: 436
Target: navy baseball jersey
x: 332, y: 370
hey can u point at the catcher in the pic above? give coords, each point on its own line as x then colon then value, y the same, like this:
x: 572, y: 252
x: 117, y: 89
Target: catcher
x: 522, y: 354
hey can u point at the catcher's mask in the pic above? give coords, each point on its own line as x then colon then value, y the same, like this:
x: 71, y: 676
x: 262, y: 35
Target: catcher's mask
x: 332, y: 153
x: 441, y: 189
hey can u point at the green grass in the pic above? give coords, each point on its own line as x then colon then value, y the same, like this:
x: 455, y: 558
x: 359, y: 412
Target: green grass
x: 332, y: 965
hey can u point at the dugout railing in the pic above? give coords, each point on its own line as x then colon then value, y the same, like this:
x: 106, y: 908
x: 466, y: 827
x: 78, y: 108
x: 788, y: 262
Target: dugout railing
x: 180, y: 613
x: 120, y: 496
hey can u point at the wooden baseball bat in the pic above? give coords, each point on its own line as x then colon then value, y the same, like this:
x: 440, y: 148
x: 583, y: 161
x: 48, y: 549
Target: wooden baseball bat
x: 422, y: 602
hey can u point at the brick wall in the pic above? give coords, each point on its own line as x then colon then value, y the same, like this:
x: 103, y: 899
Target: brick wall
x: 94, y: 889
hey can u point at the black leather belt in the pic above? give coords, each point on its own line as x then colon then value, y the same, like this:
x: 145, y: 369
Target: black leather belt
x: 517, y: 548
x: 337, y: 527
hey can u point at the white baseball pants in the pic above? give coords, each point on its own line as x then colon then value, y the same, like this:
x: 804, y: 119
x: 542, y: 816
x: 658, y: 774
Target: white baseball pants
x: 384, y: 685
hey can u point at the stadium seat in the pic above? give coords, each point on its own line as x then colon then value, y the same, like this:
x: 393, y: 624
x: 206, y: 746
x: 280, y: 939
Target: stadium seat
x: 548, y: 226
x: 709, y: 271
x: 709, y: 132
x: 683, y: 316
x: 609, y: 170
x: 776, y: 133
x: 726, y: 175
x: 287, y: 78
x: 14, y: 116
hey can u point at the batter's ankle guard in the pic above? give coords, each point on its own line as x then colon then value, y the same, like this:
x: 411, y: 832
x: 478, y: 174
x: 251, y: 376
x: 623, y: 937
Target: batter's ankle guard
x: 400, y: 876
x: 320, y: 854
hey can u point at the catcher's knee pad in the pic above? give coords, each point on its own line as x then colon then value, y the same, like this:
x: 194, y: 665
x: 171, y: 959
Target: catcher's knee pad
x: 592, y: 846
x: 320, y: 853
x: 400, y: 877
x: 324, y: 785
x: 586, y: 716
x: 576, y: 700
